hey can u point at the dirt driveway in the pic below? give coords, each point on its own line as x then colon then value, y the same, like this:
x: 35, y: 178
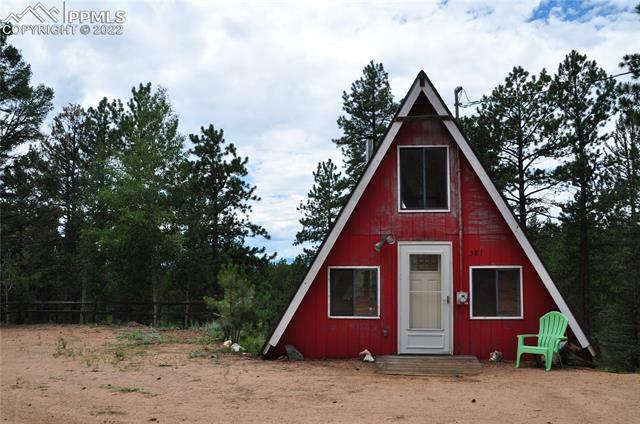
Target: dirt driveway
x: 82, y: 374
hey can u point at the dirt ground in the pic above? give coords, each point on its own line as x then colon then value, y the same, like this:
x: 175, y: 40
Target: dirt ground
x: 83, y: 374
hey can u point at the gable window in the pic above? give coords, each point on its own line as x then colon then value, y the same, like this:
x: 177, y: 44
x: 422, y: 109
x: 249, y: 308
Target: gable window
x: 424, y: 178
x: 496, y: 292
x: 354, y: 292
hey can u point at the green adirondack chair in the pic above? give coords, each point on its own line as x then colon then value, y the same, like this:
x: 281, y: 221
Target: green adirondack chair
x: 553, y: 326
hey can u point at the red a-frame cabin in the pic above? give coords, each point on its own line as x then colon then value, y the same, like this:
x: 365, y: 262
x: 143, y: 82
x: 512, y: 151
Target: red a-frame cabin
x: 425, y: 257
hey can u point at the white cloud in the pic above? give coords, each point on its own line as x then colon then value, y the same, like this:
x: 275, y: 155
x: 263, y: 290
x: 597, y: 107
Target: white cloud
x: 271, y: 74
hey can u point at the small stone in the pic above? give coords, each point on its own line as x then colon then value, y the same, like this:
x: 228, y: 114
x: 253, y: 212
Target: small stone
x: 473, y: 401
x: 495, y: 356
x: 293, y: 353
x: 364, y: 353
x: 368, y: 358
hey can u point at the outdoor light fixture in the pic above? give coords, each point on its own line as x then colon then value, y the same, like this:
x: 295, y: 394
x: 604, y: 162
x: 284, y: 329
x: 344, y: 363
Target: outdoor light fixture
x: 389, y: 239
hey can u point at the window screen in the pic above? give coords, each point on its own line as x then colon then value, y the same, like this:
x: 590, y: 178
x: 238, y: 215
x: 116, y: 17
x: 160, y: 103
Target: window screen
x: 353, y: 292
x: 496, y: 292
x: 423, y: 178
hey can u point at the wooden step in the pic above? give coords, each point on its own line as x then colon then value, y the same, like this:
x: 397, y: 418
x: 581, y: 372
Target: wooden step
x: 428, y: 365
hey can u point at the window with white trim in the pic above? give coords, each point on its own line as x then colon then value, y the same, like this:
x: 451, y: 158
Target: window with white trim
x: 424, y: 178
x: 354, y: 292
x: 496, y: 292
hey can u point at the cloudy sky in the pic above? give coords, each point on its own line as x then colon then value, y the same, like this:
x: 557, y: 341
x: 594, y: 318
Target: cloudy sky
x: 271, y: 73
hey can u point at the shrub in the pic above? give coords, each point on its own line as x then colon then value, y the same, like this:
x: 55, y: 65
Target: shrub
x: 238, y: 307
x: 253, y: 344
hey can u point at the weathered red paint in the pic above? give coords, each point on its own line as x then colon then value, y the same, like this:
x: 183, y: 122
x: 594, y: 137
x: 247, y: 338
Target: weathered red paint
x: 486, y: 240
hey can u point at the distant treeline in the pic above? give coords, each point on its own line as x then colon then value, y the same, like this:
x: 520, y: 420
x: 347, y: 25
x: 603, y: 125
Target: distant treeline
x: 109, y: 206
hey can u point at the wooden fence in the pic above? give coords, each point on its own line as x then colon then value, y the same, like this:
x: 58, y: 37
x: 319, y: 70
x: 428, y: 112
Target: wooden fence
x: 71, y: 312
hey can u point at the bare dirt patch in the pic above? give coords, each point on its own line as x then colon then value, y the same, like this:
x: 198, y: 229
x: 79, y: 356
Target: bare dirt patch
x: 82, y: 374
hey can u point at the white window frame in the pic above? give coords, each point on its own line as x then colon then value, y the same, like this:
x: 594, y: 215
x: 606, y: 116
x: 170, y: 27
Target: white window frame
x: 471, y: 268
x: 409, y: 146
x: 377, y: 268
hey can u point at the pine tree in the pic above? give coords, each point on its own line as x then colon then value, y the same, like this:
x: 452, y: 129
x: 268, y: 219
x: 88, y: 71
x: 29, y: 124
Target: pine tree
x: 223, y: 197
x: 369, y: 108
x: 477, y: 128
x: 620, y: 208
x: 65, y: 158
x: 28, y: 232
x: 99, y: 184
x: 145, y: 238
x: 584, y: 97
x: 518, y: 116
x: 238, y: 308
x: 322, y: 206
x: 23, y: 107
x: 28, y: 222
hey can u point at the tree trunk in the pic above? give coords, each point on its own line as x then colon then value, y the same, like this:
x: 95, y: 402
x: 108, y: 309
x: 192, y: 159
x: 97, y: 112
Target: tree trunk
x: 6, y: 303
x: 215, y: 252
x: 187, y: 308
x: 522, y: 199
x: 583, y: 245
x: 154, y: 284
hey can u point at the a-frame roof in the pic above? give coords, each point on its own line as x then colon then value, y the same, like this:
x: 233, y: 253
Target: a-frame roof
x: 422, y: 85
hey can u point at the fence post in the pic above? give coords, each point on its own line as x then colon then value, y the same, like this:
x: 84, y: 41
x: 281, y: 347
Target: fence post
x: 20, y: 314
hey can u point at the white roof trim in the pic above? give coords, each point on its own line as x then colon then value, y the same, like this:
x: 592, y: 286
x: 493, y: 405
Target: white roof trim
x: 500, y: 203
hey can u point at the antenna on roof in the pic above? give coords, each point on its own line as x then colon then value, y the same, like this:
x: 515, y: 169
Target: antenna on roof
x: 456, y: 103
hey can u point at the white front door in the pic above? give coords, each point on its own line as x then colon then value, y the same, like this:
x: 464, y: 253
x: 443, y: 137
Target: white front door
x: 424, y: 298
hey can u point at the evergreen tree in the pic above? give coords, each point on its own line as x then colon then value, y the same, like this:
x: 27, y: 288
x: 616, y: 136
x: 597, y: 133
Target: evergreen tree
x: 319, y: 211
x: 280, y: 282
x: 477, y: 128
x: 28, y: 231
x: 145, y: 238
x: 619, y: 211
x: 64, y: 153
x: 584, y: 97
x: 369, y: 108
x: 222, y: 200
x: 238, y: 308
x: 518, y: 118
x: 28, y: 222
x: 23, y: 107
x: 99, y: 184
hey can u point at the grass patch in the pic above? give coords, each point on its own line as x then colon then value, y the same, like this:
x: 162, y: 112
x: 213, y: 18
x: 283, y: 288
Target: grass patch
x: 125, y: 389
x: 212, y: 330
x: 143, y: 337
x: 63, y: 349
x: 199, y: 353
x: 253, y: 344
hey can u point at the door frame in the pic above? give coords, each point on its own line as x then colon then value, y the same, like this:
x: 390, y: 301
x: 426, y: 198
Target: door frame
x: 449, y: 245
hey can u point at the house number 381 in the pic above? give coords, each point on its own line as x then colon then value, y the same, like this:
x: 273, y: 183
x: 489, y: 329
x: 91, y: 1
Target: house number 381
x: 475, y: 252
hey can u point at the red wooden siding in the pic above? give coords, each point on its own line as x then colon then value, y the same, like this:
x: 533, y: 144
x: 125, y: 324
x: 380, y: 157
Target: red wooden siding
x: 486, y: 240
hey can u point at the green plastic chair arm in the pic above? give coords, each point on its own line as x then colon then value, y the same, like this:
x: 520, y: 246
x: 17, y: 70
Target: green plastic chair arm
x: 556, y: 341
x: 524, y: 336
